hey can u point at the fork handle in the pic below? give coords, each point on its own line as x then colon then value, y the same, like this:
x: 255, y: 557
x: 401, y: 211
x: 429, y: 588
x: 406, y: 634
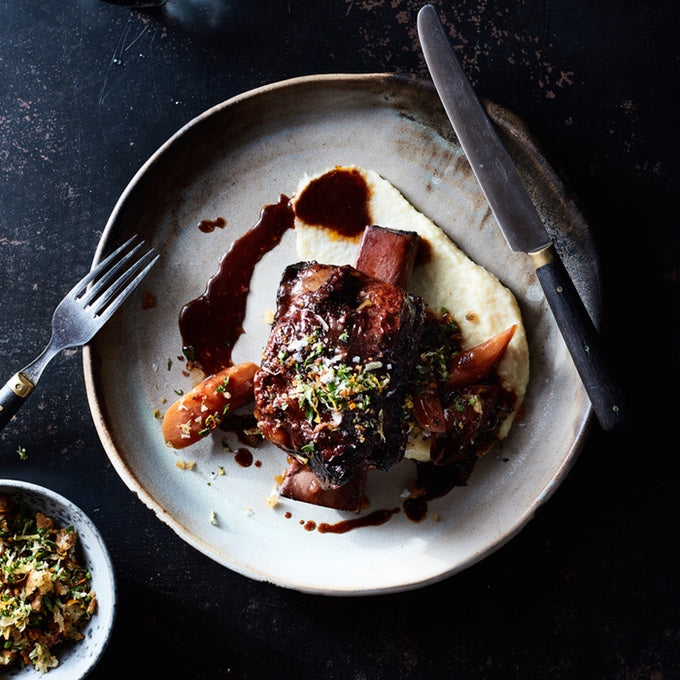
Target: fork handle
x: 13, y: 395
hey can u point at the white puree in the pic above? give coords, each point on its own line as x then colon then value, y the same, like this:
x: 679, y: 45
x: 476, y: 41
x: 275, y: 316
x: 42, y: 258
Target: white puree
x: 478, y: 301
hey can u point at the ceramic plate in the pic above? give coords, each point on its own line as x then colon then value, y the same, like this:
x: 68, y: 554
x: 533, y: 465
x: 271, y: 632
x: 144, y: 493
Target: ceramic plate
x: 230, y: 162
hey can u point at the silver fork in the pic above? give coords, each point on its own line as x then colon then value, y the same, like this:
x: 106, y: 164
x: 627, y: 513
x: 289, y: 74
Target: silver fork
x: 78, y: 317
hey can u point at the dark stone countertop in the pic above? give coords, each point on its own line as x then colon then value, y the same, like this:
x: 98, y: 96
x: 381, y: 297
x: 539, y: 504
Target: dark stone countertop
x: 588, y: 589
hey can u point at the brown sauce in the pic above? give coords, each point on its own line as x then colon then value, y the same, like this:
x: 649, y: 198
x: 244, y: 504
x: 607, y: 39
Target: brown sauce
x: 435, y: 481
x: 148, y: 301
x: 243, y: 457
x: 338, y: 200
x: 244, y: 426
x: 211, y: 324
x: 415, y: 508
x: 424, y: 253
x: 208, y: 226
x: 373, y: 519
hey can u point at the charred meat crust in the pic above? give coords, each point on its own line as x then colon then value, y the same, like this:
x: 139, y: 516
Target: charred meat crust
x: 335, y: 370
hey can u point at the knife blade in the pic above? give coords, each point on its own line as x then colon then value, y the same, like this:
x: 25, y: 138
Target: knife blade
x: 518, y: 218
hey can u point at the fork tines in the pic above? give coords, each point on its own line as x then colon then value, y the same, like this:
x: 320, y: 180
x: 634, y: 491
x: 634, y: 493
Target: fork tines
x: 114, y: 278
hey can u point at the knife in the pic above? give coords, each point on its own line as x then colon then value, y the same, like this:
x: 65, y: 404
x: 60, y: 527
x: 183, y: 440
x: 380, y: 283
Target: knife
x: 518, y: 218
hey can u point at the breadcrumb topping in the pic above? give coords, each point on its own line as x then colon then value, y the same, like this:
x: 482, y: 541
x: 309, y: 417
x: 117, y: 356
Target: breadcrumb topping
x: 46, y: 595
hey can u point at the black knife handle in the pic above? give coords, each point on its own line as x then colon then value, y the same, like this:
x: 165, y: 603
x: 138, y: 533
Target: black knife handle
x: 13, y: 396
x: 582, y: 340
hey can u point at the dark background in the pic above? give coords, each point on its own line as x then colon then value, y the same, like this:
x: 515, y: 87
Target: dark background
x: 89, y: 90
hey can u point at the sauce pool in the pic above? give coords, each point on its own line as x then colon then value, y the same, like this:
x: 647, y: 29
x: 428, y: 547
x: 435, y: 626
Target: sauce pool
x: 338, y: 200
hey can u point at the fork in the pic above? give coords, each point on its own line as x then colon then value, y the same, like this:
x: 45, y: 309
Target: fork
x: 78, y: 317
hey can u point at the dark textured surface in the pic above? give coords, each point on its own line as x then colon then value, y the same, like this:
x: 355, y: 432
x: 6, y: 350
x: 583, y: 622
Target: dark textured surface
x: 588, y: 589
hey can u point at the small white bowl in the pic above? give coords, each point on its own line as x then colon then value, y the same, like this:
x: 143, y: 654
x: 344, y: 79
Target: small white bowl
x: 76, y: 659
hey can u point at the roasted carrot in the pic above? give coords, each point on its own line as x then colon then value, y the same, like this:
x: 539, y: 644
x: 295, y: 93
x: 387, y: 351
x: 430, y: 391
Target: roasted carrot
x: 205, y: 406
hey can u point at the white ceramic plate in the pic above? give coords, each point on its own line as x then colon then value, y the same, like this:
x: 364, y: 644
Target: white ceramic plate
x: 230, y: 162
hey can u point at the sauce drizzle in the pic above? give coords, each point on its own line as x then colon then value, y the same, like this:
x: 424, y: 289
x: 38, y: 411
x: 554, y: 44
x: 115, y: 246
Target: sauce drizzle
x: 211, y: 324
x: 373, y: 519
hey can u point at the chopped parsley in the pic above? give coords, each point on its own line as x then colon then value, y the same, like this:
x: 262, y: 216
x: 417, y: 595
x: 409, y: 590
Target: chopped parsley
x: 336, y: 387
x: 441, y: 341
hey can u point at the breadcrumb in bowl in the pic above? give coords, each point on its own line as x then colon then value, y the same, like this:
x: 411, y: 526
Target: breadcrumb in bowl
x: 56, y: 577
